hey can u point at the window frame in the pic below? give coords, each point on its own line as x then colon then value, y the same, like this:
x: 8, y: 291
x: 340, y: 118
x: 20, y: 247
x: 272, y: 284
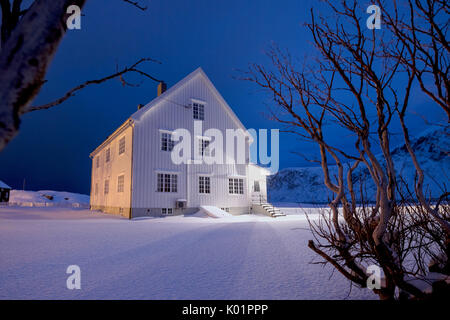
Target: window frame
x: 256, y: 183
x: 166, y: 182
x: 108, y: 155
x: 203, y: 147
x: 198, y: 110
x: 169, y: 142
x: 122, y: 147
x: 121, y: 183
x: 106, y: 187
x: 236, y: 186
x: 204, y: 184
x: 167, y: 211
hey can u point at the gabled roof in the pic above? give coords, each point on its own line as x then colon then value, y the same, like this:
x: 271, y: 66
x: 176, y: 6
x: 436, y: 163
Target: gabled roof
x: 165, y: 96
x: 4, y: 185
x: 198, y: 72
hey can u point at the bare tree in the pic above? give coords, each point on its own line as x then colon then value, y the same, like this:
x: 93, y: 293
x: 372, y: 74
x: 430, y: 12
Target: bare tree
x: 29, y: 39
x: 357, y: 81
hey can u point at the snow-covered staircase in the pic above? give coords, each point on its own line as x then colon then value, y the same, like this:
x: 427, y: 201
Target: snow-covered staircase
x: 272, y: 211
x: 260, y: 205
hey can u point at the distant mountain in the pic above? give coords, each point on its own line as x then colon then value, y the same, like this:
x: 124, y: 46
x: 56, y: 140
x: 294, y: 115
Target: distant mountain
x: 432, y: 147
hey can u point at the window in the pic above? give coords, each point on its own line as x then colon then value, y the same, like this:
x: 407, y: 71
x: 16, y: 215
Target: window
x: 106, y: 186
x: 256, y: 187
x: 122, y: 145
x: 166, y: 141
x: 167, y: 182
x: 120, y: 183
x: 199, y: 111
x: 203, y: 147
x: 97, y: 162
x: 166, y: 211
x: 236, y: 186
x: 204, y: 185
x: 108, y: 155
x: 96, y: 189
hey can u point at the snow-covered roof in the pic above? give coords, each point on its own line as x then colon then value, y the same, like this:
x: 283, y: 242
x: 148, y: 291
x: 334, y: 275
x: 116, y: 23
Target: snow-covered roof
x: 4, y: 185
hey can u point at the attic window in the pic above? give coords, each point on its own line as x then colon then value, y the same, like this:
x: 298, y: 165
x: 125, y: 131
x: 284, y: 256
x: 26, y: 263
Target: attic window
x: 198, y: 111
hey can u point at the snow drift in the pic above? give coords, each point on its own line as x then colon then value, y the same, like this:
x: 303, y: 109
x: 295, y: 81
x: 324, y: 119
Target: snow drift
x: 214, y: 212
x: 47, y: 198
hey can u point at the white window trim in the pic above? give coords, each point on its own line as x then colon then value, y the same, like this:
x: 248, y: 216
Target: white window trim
x: 200, y: 102
x: 204, y: 138
x: 161, y: 131
x: 177, y: 173
x: 198, y: 182
x: 197, y: 141
x: 166, y: 131
x: 194, y: 100
x: 243, y: 186
x: 208, y: 174
x: 167, y: 171
x: 167, y: 211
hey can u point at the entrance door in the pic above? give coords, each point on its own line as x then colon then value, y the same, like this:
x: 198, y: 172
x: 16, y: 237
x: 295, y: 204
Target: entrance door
x: 256, y: 192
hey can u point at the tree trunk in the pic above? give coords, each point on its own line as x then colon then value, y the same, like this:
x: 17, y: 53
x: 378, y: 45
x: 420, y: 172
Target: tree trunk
x: 25, y: 58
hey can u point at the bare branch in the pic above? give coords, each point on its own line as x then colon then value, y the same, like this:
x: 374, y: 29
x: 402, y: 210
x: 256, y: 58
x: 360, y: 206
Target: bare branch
x: 118, y: 74
x: 136, y: 4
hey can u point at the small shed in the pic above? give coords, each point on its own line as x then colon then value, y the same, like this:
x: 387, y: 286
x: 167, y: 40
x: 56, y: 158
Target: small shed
x: 4, y: 192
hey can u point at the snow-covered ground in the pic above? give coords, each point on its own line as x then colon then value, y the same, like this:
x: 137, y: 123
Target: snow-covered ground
x: 47, y: 198
x: 197, y: 257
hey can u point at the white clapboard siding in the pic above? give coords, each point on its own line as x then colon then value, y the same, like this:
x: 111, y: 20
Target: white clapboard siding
x: 170, y: 114
x: 144, y: 158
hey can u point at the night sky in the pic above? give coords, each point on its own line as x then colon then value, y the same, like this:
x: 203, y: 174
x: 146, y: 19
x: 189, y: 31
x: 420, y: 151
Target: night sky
x: 52, y: 148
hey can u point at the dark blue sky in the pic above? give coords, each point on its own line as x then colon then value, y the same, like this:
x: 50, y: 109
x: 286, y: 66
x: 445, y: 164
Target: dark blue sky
x: 52, y: 149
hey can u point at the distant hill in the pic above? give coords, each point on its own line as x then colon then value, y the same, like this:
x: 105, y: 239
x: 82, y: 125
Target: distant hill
x: 432, y: 147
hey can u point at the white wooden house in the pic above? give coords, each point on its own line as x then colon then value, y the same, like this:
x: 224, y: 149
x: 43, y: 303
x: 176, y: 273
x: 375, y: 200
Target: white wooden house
x: 133, y: 174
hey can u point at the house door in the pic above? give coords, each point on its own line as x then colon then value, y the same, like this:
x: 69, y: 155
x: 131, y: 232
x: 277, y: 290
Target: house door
x: 256, y: 192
